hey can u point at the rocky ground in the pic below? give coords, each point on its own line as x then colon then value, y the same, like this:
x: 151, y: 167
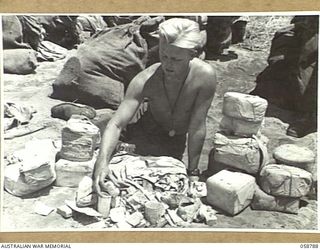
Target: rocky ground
x: 236, y: 71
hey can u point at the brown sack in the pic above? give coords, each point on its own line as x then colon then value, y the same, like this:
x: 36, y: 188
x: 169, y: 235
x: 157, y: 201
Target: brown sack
x: 19, y: 61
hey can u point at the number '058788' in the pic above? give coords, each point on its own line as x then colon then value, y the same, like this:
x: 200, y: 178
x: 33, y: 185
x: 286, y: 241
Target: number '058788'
x: 308, y: 245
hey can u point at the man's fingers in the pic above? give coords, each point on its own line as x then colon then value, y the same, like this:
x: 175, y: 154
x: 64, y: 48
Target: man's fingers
x: 97, y: 186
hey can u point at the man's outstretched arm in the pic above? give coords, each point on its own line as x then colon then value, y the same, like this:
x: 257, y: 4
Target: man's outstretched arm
x: 119, y: 121
x: 197, y: 127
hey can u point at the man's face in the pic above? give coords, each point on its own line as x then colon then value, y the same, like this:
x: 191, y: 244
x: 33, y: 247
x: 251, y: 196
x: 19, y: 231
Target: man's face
x: 174, y: 60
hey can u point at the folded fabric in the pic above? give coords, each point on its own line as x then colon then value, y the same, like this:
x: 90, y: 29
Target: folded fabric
x: 48, y: 51
x: 19, y: 112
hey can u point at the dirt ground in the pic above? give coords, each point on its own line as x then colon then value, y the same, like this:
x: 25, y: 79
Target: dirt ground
x: 236, y: 72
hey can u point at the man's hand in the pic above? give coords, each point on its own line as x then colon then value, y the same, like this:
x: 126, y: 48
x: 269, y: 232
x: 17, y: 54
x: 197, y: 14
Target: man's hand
x: 101, y: 170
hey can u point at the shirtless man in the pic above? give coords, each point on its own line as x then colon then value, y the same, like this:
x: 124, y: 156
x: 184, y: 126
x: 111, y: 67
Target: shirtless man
x: 179, y: 91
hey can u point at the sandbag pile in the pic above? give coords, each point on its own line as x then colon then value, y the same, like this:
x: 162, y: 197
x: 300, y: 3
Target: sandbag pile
x: 31, y: 168
x: 79, y: 141
x: 238, y: 154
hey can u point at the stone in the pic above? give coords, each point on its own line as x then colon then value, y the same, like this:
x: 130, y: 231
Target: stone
x: 243, y: 106
x: 282, y: 180
x: 230, y: 191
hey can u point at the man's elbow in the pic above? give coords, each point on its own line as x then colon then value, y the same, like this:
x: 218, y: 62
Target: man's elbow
x: 114, y: 125
x: 198, y: 133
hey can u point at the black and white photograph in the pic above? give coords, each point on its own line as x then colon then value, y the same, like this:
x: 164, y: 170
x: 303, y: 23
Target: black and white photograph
x: 146, y: 121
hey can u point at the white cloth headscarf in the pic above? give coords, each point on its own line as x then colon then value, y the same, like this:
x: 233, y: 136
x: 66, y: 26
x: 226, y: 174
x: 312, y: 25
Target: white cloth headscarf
x: 180, y: 32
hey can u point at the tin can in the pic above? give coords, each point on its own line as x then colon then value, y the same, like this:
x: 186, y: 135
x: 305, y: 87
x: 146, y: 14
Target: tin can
x: 104, y: 204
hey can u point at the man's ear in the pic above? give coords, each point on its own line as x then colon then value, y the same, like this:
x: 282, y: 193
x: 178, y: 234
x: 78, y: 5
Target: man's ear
x: 193, y: 53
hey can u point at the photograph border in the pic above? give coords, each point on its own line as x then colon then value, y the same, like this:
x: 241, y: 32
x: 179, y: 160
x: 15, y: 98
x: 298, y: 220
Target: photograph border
x: 156, y: 6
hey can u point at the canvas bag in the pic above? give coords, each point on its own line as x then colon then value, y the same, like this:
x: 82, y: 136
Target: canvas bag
x: 19, y: 61
x: 103, y: 67
x: 12, y: 33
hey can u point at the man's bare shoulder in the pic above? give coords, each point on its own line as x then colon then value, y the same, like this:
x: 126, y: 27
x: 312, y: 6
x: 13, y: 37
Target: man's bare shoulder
x: 152, y: 69
x: 141, y: 78
x: 201, y: 67
x: 204, y: 73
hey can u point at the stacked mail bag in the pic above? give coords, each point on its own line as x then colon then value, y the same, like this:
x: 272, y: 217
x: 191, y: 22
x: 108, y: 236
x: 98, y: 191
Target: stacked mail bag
x: 283, y: 184
x: 79, y: 141
x: 30, y: 169
x: 239, y: 153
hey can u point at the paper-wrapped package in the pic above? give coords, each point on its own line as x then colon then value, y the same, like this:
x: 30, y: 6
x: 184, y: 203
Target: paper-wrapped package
x: 35, y: 169
x: 282, y: 180
x: 241, y: 153
x: 230, y: 191
x: 235, y: 126
x: 267, y: 202
x: 294, y: 155
x: 215, y: 167
x: 79, y: 139
x: 70, y: 173
x: 243, y: 106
